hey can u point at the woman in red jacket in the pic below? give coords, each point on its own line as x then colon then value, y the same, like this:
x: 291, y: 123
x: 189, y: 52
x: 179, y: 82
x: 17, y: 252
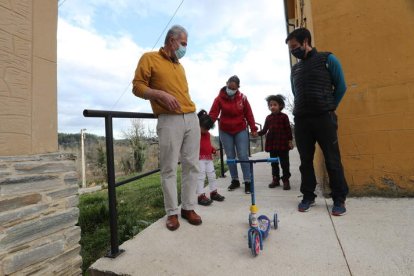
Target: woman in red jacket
x: 234, y: 111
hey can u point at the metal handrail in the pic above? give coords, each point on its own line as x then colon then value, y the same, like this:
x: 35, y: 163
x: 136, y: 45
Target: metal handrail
x: 113, y: 216
x: 261, y: 139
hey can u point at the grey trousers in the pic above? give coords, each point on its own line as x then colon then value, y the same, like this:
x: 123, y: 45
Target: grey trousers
x: 179, y: 139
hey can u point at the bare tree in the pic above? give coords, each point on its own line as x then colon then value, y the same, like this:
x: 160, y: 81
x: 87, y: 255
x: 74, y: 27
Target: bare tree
x: 289, y: 104
x: 136, y: 138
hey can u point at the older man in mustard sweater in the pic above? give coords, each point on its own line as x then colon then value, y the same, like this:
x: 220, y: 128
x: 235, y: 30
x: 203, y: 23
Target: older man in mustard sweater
x: 160, y: 78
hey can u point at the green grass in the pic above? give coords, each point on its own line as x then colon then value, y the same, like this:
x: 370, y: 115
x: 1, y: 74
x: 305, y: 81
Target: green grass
x: 139, y: 204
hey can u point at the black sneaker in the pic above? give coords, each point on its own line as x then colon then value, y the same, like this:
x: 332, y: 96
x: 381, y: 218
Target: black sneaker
x: 338, y: 209
x: 247, y: 187
x: 305, y: 205
x: 203, y: 200
x: 216, y: 196
x: 234, y: 185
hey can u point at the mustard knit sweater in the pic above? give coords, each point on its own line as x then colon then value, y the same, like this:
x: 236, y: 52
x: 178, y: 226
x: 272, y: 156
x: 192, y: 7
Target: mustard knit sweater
x: 156, y: 70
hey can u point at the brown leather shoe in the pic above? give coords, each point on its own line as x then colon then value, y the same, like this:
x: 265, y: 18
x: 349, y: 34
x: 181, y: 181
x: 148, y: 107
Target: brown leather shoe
x: 172, y: 222
x: 191, y: 216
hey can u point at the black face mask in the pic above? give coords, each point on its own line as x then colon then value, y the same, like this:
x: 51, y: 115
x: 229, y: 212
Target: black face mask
x: 298, y: 53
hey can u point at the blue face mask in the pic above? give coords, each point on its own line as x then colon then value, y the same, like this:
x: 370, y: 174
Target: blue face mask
x: 230, y: 92
x: 180, y: 52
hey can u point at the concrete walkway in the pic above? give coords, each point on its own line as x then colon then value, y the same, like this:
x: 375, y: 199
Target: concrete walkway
x: 375, y: 237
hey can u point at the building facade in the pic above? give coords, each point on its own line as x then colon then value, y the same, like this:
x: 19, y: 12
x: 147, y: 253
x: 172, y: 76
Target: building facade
x: 38, y: 185
x: 373, y: 39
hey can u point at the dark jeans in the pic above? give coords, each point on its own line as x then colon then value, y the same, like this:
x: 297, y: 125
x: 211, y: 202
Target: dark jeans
x: 284, y: 163
x: 322, y: 129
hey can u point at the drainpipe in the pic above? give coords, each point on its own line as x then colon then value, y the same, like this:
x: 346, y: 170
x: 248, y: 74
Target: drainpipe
x: 287, y: 29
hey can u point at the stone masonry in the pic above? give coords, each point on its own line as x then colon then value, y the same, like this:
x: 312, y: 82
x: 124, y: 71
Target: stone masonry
x: 38, y: 215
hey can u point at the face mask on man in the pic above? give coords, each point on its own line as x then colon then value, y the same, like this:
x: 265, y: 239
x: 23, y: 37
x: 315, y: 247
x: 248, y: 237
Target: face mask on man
x: 180, y: 52
x: 230, y: 92
x: 299, y: 53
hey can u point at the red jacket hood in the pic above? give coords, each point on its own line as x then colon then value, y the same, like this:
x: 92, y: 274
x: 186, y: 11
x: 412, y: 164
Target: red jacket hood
x: 224, y: 96
x: 234, y: 112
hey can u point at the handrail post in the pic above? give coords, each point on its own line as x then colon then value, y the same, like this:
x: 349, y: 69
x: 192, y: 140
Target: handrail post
x: 261, y: 137
x: 248, y: 139
x: 221, y: 158
x: 110, y: 169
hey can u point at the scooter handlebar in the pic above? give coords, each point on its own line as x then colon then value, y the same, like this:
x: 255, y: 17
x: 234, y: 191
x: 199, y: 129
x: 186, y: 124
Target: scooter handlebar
x: 269, y: 160
x: 273, y: 159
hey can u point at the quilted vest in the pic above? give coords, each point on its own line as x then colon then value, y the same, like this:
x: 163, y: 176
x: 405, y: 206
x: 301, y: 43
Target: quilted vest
x: 313, y: 85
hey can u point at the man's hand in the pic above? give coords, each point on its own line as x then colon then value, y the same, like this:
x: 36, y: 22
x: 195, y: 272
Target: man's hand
x: 163, y: 98
x: 168, y: 101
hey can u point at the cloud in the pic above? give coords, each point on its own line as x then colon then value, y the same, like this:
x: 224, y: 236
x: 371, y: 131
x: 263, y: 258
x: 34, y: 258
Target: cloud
x: 93, y: 73
x: 96, y: 63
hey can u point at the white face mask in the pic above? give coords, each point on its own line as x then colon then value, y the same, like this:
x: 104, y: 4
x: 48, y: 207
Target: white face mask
x: 230, y: 92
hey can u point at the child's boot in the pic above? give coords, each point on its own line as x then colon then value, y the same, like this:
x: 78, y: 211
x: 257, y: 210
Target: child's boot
x: 286, y: 184
x: 203, y: 200
x: 275, y: 182
x: 214, y: 195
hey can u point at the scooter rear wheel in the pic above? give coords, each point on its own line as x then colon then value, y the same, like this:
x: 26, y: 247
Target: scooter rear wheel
x: 275, y: 221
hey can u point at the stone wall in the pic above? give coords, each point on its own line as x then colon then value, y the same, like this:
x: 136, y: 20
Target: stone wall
x: 38, y: 215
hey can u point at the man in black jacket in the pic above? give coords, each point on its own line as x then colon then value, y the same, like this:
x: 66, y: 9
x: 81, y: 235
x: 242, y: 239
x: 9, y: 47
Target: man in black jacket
x: 318, y: 86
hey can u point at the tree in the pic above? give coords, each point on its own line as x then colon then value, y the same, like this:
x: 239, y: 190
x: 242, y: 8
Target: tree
x: 136, y: 138
x: 289, y: 104
x: 101, y: 160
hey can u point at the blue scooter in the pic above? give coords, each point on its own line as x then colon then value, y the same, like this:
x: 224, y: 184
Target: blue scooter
x: 259, y: 226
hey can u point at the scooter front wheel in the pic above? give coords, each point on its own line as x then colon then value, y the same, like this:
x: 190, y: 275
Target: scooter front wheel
x: 255, y: 246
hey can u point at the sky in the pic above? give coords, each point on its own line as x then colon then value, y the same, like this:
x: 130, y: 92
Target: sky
x: 101, y: 41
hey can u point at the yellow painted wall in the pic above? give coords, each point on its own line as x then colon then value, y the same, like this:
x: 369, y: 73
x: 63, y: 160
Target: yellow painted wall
x: 374, y: 40
x: 28, y: 77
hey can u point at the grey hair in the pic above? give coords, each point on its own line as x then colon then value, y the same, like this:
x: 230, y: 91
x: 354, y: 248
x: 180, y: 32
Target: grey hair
x: 174, y: 32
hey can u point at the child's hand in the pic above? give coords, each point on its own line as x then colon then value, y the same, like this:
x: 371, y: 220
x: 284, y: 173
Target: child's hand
x: 291, y: 145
